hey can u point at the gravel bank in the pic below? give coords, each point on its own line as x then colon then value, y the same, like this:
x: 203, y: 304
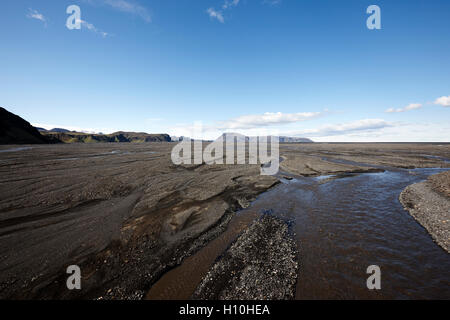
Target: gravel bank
x: 261, y: 264
x: 441, y: 183
x: 429, y: 204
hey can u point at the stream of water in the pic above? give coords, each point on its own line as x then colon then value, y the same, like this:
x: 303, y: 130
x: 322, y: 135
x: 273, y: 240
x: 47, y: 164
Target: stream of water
x: 342, y: 226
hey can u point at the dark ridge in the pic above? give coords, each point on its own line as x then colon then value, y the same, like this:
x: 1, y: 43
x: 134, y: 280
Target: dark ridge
x: 15, y: 130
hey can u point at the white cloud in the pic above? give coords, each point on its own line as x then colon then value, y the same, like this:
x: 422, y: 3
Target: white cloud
x: 443, y: 101
x: 363, y: 130
x: 130, y: 7
x: 91, y: 27
x: 364, y: 125
x: 412, y: 106
x: 393, y: 132
x: 216, y: 15
x: 34, y: 14
x: 126, y: 6
x: 230, y: 3
x: 266, y: 119
x: 272, y: 2
x: 269, y: 123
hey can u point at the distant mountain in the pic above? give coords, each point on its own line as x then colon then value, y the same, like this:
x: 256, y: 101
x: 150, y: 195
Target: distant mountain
x: 52, y: 130
x: 180, y: 138
x: 242, y: 138
x: 141, y: 137
x: 58, y: 130
x: 131, y: 137
x: 239, y: 137
x: 295, y: 140
x: 15, y: 130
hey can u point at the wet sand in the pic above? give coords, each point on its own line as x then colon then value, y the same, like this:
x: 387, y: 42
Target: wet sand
x: 127, y: 216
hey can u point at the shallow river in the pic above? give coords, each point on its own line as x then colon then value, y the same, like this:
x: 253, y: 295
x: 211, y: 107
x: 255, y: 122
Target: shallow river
x: 342, y: 226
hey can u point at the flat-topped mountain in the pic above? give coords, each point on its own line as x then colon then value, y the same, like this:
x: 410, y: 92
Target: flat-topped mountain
x: 282, y: 139
x: 242, y: 138
x: 295, y: 140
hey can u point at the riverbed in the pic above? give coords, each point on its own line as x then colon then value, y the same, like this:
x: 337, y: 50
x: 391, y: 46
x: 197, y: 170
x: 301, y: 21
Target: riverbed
x: 342, y: 225
x: 118, y: 211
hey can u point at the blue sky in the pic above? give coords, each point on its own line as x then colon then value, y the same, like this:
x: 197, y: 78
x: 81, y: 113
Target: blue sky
x: 294, y: 67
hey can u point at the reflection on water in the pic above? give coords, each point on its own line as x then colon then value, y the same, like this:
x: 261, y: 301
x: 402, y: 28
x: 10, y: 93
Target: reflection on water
x: 181, y: 282
x: 436, y: 158
x: 347, y: 224
x: 16, y: 149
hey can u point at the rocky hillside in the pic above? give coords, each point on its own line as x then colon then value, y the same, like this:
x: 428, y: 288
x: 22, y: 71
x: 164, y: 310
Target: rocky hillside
x: 15, y: 130
x: 80, y: 137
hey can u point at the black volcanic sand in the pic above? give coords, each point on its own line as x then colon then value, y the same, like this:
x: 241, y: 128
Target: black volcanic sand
x: 122, y: 212
x: 429, y: 203
x: 326, y: 158
x: 126, y: 215
x: 260, y: 265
